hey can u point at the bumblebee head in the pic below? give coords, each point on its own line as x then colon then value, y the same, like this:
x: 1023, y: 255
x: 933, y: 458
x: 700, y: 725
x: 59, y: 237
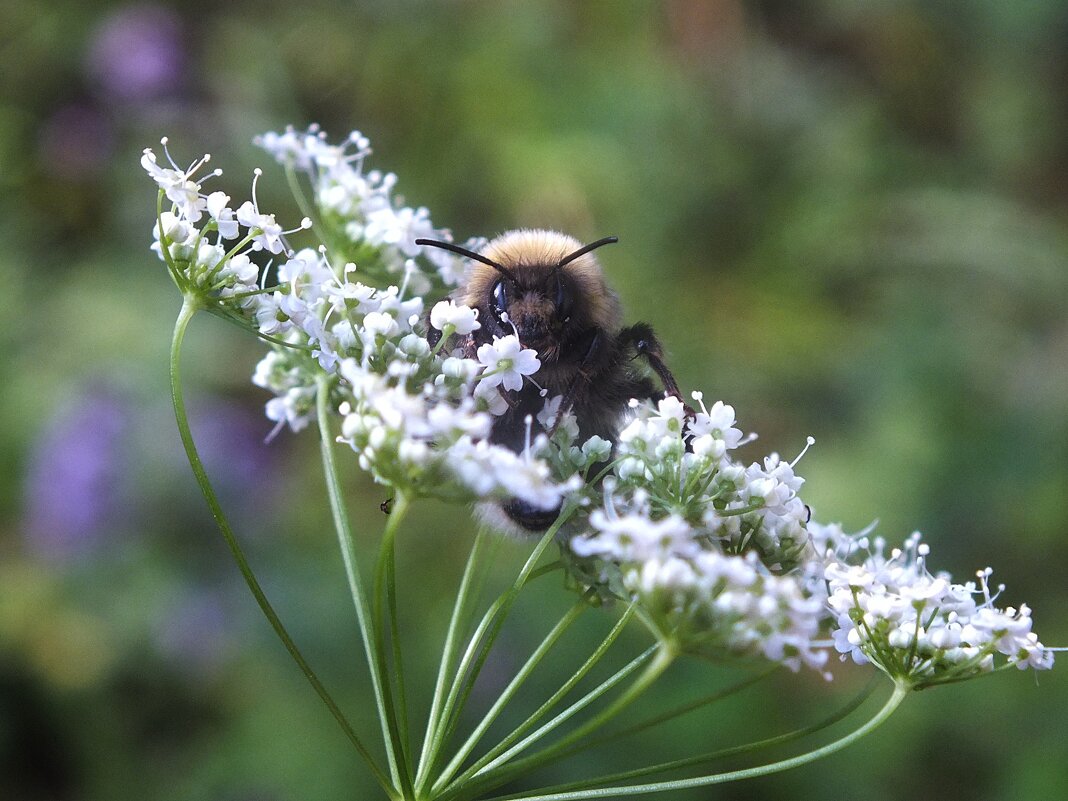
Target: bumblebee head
x: 542, y: 285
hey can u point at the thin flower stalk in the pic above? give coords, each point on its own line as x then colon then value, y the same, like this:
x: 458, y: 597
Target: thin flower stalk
x: 899, y: 694
x: 189, y: 309
x: 355, y: 582
x: 532, y: 720
x: 513, y: 687
x: 712, y: 756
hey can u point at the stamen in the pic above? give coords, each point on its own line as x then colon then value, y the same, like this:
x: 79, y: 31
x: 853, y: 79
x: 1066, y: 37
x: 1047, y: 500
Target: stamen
x: 506, y: 319
x: 542, y: 390
x: 263, y: 275
x: 330, y: 309
x: 305, y: 224
x: 529, y: 422
x: 409, y: 267
x: 274, y: 431
x: 196, y: 165
x: 809, y: 442
x: 256, y: 173
x: 167, y: 153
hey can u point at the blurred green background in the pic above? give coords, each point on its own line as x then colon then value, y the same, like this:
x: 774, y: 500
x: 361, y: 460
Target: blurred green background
x: 848, y: 219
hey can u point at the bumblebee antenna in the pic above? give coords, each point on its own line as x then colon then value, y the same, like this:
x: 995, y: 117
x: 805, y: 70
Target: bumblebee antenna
x: 469, y: 254
x: 582, y: 251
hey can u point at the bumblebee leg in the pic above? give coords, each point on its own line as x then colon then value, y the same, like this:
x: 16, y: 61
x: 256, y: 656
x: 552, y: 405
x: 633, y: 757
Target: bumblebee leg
x: 511, y: 398
x: 646, y: 344
x: 582, y: 375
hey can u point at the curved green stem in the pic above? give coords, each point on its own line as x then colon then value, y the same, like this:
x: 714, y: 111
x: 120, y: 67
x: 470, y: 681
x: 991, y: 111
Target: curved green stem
x: 448, y: 652
x: 478, y: 649
x: 223, y: 313
x: 541, y: 711
x: 307, y: 208
x: 500, y: 770
x: 385, y: 627
x: 510, y: 691
x: 164, y: 246
x: 189, y: 308
x: 671, y: 714
x: 352, y: 573
x: 900, y: 691
x: 722, y: 753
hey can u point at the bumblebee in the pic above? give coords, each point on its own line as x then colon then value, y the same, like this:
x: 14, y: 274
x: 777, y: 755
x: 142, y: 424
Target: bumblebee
x: 549, y: 290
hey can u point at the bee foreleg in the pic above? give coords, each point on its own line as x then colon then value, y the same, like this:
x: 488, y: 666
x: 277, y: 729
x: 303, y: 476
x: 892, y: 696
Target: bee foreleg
x: 511, y: 398
x: 646, y: 344
x: 582, y: 375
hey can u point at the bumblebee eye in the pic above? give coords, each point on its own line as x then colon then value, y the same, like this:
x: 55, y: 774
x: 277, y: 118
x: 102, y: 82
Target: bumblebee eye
x: 500, y: 298
x: 563, y: 300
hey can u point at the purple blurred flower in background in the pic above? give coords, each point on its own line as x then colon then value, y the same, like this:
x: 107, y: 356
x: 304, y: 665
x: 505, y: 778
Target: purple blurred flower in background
x: 230, y: 438
x: 84, y: 486
x: 136, y: 54
x: 75, y: 481
x: 76, y: 142
x: 192, y: 630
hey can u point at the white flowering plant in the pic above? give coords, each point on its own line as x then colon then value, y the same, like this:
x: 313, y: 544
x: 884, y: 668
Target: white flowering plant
x: 665, y: 526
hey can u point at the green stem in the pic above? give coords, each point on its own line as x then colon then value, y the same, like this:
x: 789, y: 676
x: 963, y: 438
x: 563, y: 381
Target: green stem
x: 165, y: 246
x: 398, y: 662
x: 222, y: 312
x: 722, y: 753
x: 352, y: 573
x: 446, y: 334
x: 234, y: 250
x: 385, y: 595
x: 306, y: 208
x: 900, y: 691
x: 448, y: 653
x: 478, y: 649
x: 665, y: 656
x: 671, y: 714
x: 510, y: 691
x: 189, y: 308
x: 541, y: 711
x: 213, y: 273
x: 253, y: 292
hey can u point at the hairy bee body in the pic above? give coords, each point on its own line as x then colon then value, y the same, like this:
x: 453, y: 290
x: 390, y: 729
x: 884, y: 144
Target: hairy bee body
x: 549, y: 290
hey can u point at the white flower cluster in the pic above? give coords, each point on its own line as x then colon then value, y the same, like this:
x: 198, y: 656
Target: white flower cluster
x: 200, y: 258
x: 682, y: 460
x: 418, y: 417
x: 703, y: 543
x: 721, y: 559
x: 916, y: 626
x: 703, y: 599
x: 376, y: 226
x: 419, y: 422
